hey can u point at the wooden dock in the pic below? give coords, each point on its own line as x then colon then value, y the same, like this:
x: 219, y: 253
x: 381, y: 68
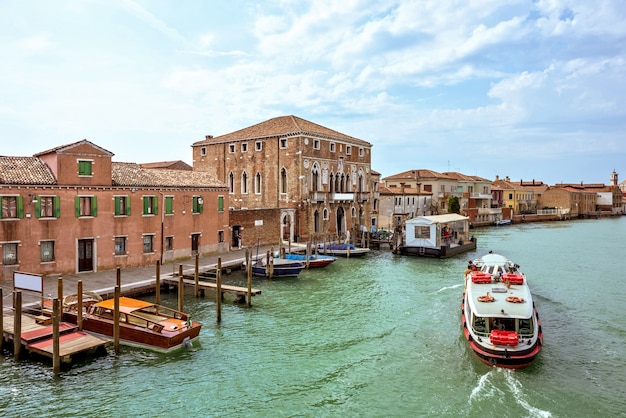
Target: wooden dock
x: 235, y: 290
x: 37, y: 338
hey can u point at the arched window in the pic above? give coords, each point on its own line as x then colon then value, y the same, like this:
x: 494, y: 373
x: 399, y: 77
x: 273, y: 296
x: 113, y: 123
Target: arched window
x: 316, y: 222
x: 244, y: 183
x: 332, y: 183
x: 361, y: 182
x: 283, y: 180
x: 325, y: 213
x: 315, y: 177
x: 257, y: 183
x: 231, y: 183
x: 348, y: 184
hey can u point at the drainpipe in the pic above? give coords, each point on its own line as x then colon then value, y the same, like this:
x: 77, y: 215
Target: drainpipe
x: 162, y: 225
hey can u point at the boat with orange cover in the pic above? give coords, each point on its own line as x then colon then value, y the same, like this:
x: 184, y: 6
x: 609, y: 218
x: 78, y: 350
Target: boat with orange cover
x: 500, y: 320
x: 142, y: 324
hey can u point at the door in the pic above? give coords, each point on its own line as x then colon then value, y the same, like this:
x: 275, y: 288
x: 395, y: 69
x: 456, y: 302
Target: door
x: 85, y: 255
x: 195, y: 243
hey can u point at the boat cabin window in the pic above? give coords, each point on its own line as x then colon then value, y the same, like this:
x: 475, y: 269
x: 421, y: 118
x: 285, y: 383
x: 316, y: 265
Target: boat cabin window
x: 479, y: 324
x: 502, y: 324
x: 526, y: 327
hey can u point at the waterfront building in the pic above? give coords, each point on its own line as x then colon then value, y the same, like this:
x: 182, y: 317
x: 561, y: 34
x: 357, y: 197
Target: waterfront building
x: 290, y: 179
x: 398, y: 204
x: 71, y: 209
x: 440, y: 186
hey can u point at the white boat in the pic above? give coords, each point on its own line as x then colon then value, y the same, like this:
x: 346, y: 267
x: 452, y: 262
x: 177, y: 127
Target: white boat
x: 501, y: 222
x: 500, y: 321
x: 342, y: 250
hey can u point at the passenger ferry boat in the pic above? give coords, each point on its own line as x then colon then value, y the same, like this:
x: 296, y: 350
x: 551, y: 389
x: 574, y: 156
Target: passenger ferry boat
x: 500, y: 321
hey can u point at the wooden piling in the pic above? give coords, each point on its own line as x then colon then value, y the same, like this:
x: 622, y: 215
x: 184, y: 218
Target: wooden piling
x: 195, y: 276
x: 249, y: 273
x: 218, y: 290
x: 56, y: 347
x: 158, y: 282
x: 308, y: 254
x: 181, y: 292
x: 79, y: 312
x: 118, y: 277
x: 1, y: 320
x: 267, y: 264
x: 116, y: 320
x: 17, y: 324
x: 60, y: 288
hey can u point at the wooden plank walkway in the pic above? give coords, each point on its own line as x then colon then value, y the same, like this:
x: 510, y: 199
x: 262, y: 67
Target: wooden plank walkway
x: 236, y: 290
x: 37, y: 338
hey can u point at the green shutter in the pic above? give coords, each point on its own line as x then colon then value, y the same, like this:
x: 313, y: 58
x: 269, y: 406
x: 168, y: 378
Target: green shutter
x: 57, y: 207
x: 37, y: 207
x: 220, y: 203
x: 127, y: 205
x: 145, y: 205
x: 169, y: 201
x: 20, y: 206
x: 155, y: 206
x: 94, y: 206
x: 77, y: 206
x: 116, y: 205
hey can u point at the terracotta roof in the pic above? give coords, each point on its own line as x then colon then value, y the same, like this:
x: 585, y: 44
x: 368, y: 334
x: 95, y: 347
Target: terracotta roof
x: 502, y: 184
x: 463, y: 177
x: 402, y: 191
x: 131, y: 174
x: 281, y: 126
x: 67, y: 147
x: 174, y: 165
x: 25, y: 170
x: 418, y: 174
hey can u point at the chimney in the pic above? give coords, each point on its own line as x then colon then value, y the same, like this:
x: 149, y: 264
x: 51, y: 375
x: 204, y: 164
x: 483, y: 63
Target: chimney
x: 208, y: 137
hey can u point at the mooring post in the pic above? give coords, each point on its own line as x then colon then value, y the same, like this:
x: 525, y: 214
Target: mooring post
x: 17, y: 324
x: 196, y: 286
x: 307, y: 254
x: 158, y: 282
x: 181, y: 293
x: 249, y: 273
x: 116, y: 320
x: 267, y: 264
x: 60, y: 288
x: 79, y: 312
x: 218, y: 290
x: 118, y: 277
x: 1, y: 320
x: 56, y: 358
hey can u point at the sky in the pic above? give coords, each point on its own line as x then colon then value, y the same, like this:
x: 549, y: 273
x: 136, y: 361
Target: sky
x: 524, y: 89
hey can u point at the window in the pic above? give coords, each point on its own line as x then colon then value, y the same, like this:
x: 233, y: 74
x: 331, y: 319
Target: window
x: 231, y: 148
x: 220, y: 203
x: 169, y: 205
x: 203, y: 151
x: 12, y: 207
x: 47, y: 251
x: 283, y: 142
x: 121, y: 205
x: 325, y: 214
x: 220, y: 236
x: 361, y: 152
x: 120, y: 245
x: 244, y: 147
x: 9, y: 253
x: 244, y: 183
x: 316, y: 144
x: 197, y: 204
x: 348, y: 149
x: 150, y: 205
x: 85, y: 167
x: 85, y: 206
x: 258, y: 145
x: 169, y: 243
x: 283, y: 180
x: 231, y: 183
x: 47, y: 206
x: 148, y: 244
x: 332, y: 147
x: 257, y: 183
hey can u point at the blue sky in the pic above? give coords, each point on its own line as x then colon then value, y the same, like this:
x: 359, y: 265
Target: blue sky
x: 525, y: 89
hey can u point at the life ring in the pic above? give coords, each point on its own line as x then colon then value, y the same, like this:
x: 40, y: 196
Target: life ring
x: 485, y: 298
x: 515, y: 299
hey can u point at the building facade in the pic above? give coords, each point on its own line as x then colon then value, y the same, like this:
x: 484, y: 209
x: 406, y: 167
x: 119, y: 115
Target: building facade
x: 72, y: 209
x: 290, y: 179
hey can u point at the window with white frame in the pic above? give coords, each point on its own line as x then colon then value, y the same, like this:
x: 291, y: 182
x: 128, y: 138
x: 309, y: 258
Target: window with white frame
x: 231, y: 148
x: 46, y: 249
x: 9, y: 253
x: 258, y: 145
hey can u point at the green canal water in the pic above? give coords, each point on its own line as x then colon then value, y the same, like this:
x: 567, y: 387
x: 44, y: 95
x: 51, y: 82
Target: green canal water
x: 378, y: 336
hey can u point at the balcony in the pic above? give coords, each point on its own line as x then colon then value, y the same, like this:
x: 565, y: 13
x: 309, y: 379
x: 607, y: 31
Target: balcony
x: 342, y: 197
x: 318, y: 197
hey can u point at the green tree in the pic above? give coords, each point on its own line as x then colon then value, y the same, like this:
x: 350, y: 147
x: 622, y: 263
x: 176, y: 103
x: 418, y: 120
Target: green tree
x: 453, y: 205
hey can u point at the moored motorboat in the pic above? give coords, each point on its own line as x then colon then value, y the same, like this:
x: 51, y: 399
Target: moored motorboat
x: 280, y: 267
x: 500, y: 320
x: 315, y: 260
x: 342, y: 250
x: 142, y: 324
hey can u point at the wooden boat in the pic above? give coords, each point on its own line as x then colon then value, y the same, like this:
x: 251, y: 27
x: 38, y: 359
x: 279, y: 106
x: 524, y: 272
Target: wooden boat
x: 315, y: 260
x: 141, y: 324
x: 500, y: 321
x: 342, y: 250
x: 280, y: 268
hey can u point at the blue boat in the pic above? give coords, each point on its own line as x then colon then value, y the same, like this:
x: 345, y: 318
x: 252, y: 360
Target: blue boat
x: 281, y: 268
x: 315, y: 260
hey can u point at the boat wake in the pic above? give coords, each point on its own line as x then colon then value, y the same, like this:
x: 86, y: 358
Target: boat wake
x: 490, y: 388
x: 456, y: 286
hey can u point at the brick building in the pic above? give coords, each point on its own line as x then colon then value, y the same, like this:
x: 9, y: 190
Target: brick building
x: 290, y: 179
x: 72, y: 209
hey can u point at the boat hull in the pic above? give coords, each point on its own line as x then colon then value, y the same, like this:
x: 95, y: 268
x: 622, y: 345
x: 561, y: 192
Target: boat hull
x: 438, y: 252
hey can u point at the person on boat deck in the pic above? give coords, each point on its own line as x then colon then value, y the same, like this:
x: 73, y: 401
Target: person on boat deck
x: 497, y: 324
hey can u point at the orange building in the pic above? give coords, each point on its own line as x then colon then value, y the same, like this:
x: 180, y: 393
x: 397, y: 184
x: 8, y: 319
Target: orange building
x: 72, y: 209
